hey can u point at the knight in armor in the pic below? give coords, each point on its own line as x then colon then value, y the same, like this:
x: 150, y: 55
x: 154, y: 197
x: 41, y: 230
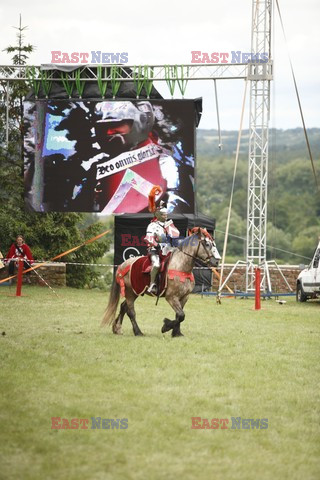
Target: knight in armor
x: 159, y: 236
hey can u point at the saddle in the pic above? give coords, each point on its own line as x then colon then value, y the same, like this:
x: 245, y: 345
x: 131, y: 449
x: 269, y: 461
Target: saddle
x: 140, y: 274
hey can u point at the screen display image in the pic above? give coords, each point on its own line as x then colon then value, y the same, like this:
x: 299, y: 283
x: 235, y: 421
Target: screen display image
x: 105, y: 156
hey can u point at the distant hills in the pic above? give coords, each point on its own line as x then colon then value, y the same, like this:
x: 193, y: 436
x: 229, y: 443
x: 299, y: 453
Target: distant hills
x: 291, y: 141
x: 293, y: 201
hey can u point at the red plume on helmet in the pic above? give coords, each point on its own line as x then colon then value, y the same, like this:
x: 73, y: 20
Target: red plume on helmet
x: 155, y: 190
x: 200, y: 231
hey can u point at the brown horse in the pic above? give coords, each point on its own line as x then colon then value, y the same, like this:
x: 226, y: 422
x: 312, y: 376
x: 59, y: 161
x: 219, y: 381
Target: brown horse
x: 198, y: 246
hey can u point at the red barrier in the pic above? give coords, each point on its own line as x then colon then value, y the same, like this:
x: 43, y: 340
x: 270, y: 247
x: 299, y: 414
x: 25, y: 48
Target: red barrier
x: 257, y: 289
x: 19, y: 278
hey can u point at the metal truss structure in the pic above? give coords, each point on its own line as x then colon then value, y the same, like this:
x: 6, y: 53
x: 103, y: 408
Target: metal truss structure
x: 125, y: 73
x: 260, y: 79
x: 257, y: 73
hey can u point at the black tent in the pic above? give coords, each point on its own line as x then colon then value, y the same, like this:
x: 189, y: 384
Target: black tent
x: 130, y: 230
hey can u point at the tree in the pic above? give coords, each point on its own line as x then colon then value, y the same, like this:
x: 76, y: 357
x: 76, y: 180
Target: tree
x: 279, y: 244
x: 51, y: 233
x: 306, y: 241
x: 237, y: 234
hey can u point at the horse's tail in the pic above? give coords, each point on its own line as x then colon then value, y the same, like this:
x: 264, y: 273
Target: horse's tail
x: 110, y: 312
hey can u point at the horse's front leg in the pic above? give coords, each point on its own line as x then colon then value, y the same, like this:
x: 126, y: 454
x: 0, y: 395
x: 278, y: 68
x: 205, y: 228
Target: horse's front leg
x: 174, y: 325
x: 176, y: 332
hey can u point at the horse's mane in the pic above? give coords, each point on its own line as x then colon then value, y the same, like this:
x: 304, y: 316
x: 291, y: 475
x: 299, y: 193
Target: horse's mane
x: 194, y: 232
x: 203, y: 231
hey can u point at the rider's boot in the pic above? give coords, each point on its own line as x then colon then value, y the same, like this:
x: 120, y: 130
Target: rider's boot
x: 153, y: 286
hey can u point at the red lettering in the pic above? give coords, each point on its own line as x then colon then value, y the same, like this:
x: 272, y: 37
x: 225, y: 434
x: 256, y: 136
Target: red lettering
x: 205, y: 58
x: 55, y: 423
x: 65, y: 424
x: 74, y: 423
x: 215, y: 57
x: 205, y: 423
x: 55, y: 56
x: 74, y: 57
x: 215, y: 423
x: 84, y: 422
x: 195, y: 422
x: 65, y: 58
x: 224, y: 421
x: 195, y: 57
x: 125, y: 237
x: 224, y: 55
x: 135, y: 241
x: 84, y: 57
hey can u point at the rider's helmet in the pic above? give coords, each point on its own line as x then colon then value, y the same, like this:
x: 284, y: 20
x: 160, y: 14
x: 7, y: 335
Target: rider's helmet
x: 122, y: 125
x: 161, y: 211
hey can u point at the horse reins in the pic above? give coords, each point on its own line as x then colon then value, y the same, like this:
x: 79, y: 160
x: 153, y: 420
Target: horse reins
x: 195, y: 256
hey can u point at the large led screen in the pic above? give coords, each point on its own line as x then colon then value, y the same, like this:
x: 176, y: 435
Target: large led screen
x: 105, y: 156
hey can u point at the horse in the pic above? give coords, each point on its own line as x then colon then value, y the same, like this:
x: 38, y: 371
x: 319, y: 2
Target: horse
x: 199, y: 245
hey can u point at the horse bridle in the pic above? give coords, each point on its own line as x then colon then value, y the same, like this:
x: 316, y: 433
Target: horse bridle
x: 202, y: 242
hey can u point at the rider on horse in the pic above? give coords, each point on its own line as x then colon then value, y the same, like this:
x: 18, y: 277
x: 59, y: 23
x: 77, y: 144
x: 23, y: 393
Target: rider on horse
x: 159, y: 236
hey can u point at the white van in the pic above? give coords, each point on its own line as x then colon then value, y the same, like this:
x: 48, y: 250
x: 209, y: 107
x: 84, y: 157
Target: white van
x: 308, y: 281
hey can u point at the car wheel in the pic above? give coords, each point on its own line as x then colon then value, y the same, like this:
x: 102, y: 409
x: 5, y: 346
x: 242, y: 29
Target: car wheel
x: 300, y: 296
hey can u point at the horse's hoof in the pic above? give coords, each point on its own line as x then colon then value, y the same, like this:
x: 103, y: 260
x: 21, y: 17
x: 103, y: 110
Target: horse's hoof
x: 167, y: 325
x: 177, y: 334
x: 116, y: 330
x: 139, y: 334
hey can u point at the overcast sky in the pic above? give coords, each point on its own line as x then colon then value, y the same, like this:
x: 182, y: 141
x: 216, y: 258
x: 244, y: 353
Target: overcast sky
x: 166, y: 31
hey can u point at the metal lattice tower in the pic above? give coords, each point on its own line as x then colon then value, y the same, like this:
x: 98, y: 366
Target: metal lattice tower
x: 259, y: 76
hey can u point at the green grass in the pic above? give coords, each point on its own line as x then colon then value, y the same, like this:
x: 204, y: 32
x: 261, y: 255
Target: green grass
x: 56, y: 361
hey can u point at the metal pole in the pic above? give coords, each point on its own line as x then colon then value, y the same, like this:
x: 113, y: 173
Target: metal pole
x: 7, y: 114
x: 218, y: 116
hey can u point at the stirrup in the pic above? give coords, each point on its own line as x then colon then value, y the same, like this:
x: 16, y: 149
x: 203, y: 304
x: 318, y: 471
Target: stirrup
x: 153, y: 289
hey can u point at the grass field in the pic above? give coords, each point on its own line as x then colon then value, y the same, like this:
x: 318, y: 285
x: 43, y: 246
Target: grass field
x: 56, y: 361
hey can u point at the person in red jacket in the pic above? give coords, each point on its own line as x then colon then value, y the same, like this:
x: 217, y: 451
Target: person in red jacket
x: 19, y: 249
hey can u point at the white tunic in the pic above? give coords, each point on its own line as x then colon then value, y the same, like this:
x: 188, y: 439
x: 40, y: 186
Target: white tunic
x: 157, y: 233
